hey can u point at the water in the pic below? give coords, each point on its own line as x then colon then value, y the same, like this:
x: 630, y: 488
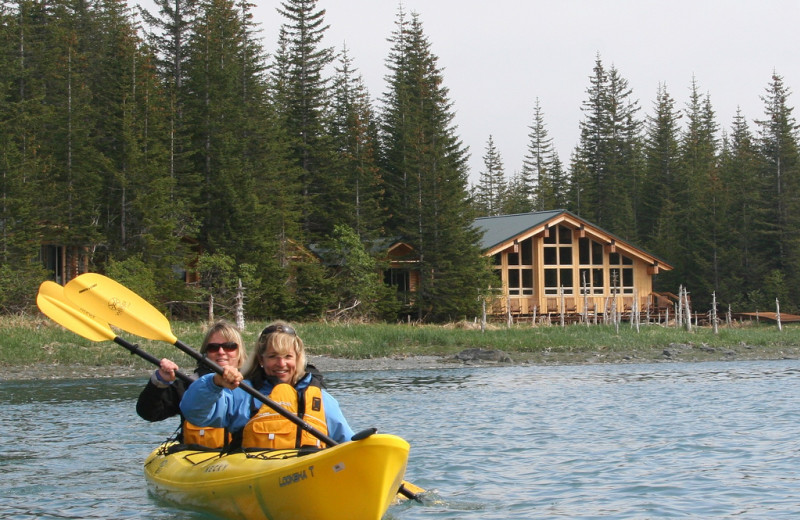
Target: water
x: 701, y: 440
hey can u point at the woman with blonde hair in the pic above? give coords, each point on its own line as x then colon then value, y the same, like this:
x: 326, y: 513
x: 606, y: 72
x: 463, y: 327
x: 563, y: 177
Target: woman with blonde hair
x: 278, y: 369
x: 161, y: 397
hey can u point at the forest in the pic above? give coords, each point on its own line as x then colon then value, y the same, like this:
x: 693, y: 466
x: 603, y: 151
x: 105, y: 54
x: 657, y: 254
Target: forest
x: 170, y: 141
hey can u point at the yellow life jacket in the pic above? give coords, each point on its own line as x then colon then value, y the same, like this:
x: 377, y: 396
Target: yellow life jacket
x: 205, y: 436
x: 269, y: 430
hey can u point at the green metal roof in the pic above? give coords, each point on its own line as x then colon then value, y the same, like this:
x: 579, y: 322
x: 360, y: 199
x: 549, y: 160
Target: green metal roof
x: 503, y: 227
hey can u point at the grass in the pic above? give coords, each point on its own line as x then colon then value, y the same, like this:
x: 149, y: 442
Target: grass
x: 37, y: 340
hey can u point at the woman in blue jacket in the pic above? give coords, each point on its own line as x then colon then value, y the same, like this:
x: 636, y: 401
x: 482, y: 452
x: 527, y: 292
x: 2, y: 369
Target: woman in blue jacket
x: 277, y: 369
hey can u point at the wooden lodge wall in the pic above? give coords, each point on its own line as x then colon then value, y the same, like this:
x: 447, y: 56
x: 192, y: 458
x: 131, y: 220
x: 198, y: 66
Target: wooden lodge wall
x: 566, y: 264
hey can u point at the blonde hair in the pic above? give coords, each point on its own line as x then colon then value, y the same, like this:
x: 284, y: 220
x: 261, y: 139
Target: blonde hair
x: 230, y: 332
x: 283, y: 339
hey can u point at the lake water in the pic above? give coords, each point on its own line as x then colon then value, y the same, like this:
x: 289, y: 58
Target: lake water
x: 700, y: 440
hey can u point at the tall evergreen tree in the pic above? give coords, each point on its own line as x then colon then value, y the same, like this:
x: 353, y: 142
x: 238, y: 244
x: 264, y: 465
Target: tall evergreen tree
x: 608, y: 157
x: 307, y: 106
x: 536, y: 172
x: 740, y: 261
x: 225, y: 112
x: 491, y: 189
x: 168, y: 34
x: 426, y: 171
x: 777, y: 138
x: 698, y: 224
x: 660, y: 185
x: 354, y: 132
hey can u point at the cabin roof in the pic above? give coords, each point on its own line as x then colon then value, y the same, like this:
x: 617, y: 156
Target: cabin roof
x: 500, y: 231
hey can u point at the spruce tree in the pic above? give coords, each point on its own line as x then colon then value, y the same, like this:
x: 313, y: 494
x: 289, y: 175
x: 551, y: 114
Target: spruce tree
x: 492, y: 189
x: 697, y: 224
x: 740, y: 261
x: 608, y: 157
x: 426, y: 172
x: 353, y: 129
x: 305, y: 98
x: 536, y: 174
x: 777, y: 140
x: 660, y: 183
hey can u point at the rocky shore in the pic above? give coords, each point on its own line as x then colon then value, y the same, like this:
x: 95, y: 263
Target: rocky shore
x: 470, y: 357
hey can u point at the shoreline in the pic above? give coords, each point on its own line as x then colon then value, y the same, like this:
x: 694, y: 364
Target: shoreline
x: 675, y: 353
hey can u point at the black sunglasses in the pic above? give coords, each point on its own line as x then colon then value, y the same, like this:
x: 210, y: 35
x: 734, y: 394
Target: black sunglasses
x: 286, y: 329
x: 228, y: 346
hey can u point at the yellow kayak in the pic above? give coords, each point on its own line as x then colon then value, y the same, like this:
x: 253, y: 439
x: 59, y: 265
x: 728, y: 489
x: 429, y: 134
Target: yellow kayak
x: 356, y: 480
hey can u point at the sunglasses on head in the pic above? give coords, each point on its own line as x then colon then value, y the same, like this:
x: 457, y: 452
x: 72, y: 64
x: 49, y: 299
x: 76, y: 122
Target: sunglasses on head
x: 286, y: 329
x: 228, y: 346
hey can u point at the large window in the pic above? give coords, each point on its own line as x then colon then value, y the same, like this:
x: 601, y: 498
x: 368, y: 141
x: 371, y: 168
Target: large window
x: 620, y: 275
x: 558, y: 253
x: 520, y: 268
x: 591, y: 274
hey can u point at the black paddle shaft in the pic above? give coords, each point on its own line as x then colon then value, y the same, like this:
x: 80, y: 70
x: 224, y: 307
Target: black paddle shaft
x: 134, y: 349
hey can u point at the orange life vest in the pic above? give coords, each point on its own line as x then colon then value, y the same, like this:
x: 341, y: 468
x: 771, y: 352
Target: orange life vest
x: 269, y: 430
x: 215, y: 438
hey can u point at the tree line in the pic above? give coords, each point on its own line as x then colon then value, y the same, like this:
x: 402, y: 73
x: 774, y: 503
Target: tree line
x: 720, y: 205
x: 180, y: 143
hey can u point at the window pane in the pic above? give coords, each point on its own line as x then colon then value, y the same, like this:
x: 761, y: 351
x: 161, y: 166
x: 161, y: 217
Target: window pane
x: 566, y: 279
x: 550, y: 278
x: 627, y: 277
x: 627, y: 261
x: 513, y: 258
x: 513, y: 278
x: 498, y: 259
x: 549, y: 256
x: 597, y: 278
x: 551, y: 238
x: 613, y: 258
x: 565, y: 255
x: 597, y: 253
x: 527, y: 251
x: 564, y: 235
x: 584, y: 245
x: 585, y: 281
x: 527, y: 278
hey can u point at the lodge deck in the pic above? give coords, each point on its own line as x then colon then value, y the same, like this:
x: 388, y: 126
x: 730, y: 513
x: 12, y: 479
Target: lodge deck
x: 767, y: 316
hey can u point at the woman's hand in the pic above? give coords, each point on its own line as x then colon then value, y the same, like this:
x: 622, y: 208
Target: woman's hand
x: 230, y: 378
x: 166, y: 370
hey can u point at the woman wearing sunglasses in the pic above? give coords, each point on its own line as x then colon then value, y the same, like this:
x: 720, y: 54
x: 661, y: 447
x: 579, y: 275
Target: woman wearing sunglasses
x: 277, y: 369
x: 161, y: 397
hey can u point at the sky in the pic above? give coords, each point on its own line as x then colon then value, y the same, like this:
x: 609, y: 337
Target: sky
x: 499, y: 56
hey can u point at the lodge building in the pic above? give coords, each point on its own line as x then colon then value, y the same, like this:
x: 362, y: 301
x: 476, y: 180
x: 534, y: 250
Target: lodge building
x: 554, y: 262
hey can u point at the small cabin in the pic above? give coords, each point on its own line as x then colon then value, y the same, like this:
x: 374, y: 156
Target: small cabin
x: 556, y: 263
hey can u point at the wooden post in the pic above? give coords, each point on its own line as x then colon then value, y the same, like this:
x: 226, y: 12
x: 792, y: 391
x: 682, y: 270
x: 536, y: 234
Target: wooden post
x: 483, y: 317
x: 688, y: 310
x: 714, y: 311
x: 240, y: 306
x: 211, y: 308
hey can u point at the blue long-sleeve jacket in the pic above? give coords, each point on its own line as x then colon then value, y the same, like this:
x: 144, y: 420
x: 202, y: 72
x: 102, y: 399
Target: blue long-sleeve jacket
x: 206, y: 404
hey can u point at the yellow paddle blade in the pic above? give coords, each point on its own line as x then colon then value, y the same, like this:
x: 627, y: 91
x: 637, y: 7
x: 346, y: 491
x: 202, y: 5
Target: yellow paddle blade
x: 52, y: 302
x: 119, y: 306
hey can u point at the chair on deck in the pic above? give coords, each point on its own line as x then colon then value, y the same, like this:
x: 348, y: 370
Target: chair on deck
x: 552, y: 306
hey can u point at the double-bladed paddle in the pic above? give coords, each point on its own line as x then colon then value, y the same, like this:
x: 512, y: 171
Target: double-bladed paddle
x: 53, y: 304
x: 112, y: 302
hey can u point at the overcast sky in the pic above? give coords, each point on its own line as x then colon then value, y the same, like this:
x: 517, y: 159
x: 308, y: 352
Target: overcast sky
x: 499, y: 56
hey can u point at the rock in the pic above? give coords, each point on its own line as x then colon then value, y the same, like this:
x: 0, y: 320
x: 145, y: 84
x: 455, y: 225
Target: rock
x: 479, y: 355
